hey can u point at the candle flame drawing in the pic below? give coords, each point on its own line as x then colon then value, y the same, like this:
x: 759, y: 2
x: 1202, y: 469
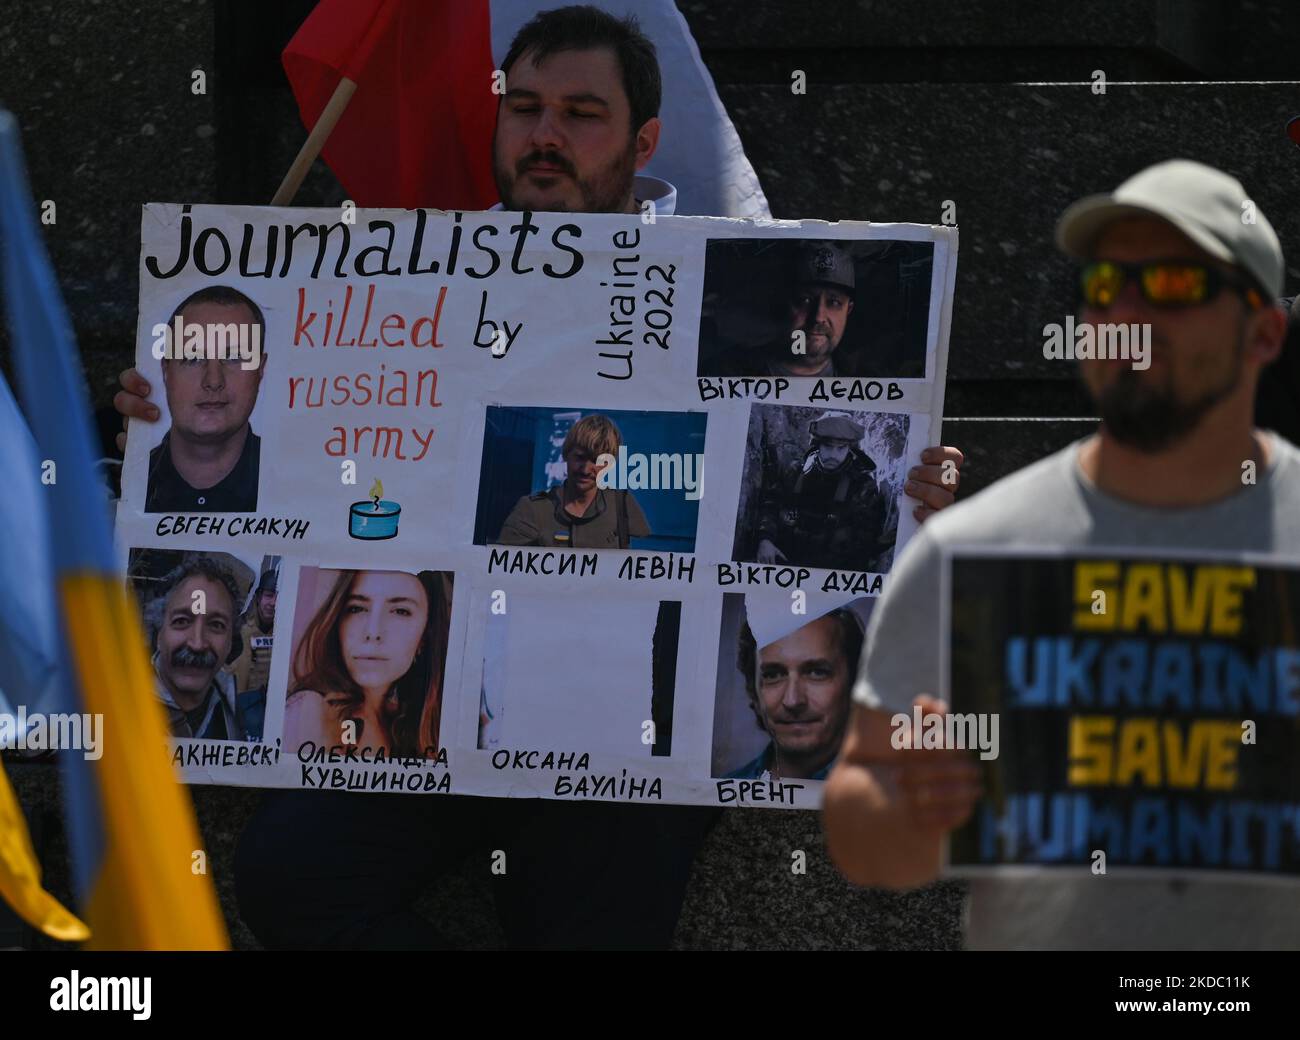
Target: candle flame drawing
x: 374, y: 518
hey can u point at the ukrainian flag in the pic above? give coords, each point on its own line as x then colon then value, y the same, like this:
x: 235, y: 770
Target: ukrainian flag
x: 29, y: 658
x: 139, y: 868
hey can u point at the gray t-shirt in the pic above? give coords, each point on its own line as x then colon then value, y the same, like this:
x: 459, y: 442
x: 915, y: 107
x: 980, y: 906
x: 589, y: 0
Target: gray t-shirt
x: 1052, y: 504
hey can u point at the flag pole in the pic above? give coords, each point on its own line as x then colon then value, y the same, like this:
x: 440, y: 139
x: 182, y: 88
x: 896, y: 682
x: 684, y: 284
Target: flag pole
x: 311, y: 148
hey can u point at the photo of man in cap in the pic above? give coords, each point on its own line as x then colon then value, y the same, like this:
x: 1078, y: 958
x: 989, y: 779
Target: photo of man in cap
x: 827, y: 511
x: 820, y: 299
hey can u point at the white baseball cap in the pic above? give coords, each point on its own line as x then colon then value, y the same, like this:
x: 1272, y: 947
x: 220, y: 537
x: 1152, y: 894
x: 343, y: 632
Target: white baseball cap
x: 1205, y: 204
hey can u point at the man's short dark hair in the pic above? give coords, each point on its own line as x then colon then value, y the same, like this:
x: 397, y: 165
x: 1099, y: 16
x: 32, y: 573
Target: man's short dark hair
x: 225, y: 296
x: 155, y: 611
x: 851, y: 630
x: 582, y: 27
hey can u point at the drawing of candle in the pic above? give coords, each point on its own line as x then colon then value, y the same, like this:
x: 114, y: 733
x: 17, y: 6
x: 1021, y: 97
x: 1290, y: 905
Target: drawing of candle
x: 374, y: 519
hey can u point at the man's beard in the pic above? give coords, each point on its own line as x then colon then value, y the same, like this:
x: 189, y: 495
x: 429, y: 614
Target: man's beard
x: 830, y: 344
x: 605, y: 191
x: 1150, y: 418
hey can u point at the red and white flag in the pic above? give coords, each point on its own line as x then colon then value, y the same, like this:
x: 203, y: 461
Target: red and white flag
x: 418, y: 130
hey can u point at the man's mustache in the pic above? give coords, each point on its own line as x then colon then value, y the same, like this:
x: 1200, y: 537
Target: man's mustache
x: 787, y: 719
x: 549, y: 158
x: 184, y: 657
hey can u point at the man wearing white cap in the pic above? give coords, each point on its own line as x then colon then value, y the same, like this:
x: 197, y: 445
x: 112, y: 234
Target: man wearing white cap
x: 1173, y: 247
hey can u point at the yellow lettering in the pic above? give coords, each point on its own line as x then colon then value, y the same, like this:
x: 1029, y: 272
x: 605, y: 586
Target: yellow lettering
x: 1139, y: 752
x: 1223, y: 741
x: 1144, y: 597
x: 1231, y: 584
x: 1184, y: 764
x: 1189, y: 612
x: 1092, y: 576
x: 1090, y: 740
x: 1109, y: 752
x: 1160, y: 598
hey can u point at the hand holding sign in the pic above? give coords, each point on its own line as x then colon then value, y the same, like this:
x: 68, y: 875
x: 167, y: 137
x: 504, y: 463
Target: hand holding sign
x: 889, y: 805
x: 939, y: 786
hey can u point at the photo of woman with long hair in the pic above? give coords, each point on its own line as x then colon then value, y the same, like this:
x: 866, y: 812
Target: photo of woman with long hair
x: 372, y: 655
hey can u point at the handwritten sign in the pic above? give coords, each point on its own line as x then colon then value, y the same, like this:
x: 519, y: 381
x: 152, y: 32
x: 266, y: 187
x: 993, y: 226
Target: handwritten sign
x: 450, y: 502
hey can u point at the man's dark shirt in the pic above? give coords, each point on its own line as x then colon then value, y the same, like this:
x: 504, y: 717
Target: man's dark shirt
x: 216, y: 728
x: 168, y: 491
x: 826, y: 518
x: 762, y: 360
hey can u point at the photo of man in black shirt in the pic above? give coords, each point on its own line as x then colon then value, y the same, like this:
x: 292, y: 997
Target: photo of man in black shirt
x: 208, y: 460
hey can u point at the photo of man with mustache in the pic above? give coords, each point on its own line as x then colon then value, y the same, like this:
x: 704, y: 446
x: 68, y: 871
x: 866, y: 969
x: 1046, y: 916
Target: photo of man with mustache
x: 194, y: 638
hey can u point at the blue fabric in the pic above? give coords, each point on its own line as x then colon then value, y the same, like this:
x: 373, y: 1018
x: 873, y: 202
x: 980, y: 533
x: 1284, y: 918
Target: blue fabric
x: 29, y: 631
x: 53, y: 392
x: 50, y: 380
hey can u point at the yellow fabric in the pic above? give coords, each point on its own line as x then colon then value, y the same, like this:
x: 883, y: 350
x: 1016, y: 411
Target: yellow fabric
x: 149, y: 894
x: 20, y: 875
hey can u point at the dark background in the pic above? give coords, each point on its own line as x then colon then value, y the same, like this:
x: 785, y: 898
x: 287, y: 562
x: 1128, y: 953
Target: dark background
x: 986, y: 103
x: 748, y: 284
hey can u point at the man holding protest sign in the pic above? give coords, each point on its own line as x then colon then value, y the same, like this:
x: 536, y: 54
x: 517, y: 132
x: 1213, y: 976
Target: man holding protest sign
x: 1176, y: 466
x: 579, y: 118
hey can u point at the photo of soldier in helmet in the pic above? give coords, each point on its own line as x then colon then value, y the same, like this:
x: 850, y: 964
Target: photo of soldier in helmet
x: 815, y: 308
x: 819, y: 300
x: 827, y: 506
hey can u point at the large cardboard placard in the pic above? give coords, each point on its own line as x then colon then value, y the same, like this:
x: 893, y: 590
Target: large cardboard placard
x: 418, y: 375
